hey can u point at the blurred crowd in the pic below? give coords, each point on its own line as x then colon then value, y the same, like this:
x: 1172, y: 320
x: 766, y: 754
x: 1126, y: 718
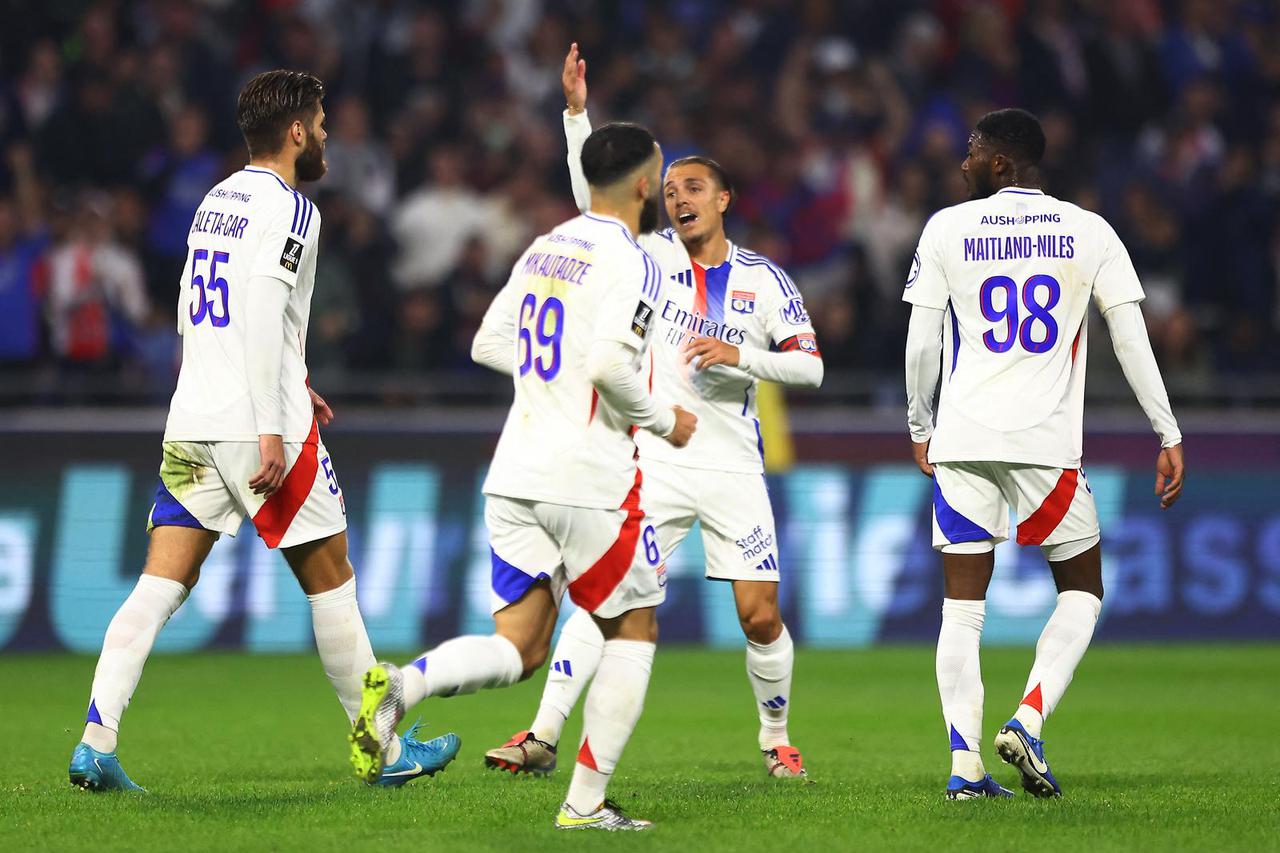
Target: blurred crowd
x: 843, y: 122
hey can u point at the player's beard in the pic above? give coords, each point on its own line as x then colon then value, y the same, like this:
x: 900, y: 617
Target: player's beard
x: 310, y: 165
x: 649, y: 215
x: 980, y: 185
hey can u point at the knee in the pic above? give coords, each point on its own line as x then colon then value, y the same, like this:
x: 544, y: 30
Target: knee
x: 532, y: 656
x: 761, y: 625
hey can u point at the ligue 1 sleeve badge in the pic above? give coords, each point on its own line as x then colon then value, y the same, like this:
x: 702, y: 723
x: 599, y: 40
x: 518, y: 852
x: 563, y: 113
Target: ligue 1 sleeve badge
x: 743, y: 301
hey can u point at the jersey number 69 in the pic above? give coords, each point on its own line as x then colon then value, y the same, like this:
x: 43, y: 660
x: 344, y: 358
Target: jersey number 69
x: 548, y: 329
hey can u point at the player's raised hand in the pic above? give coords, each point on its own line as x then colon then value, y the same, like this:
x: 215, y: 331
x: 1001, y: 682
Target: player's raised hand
x: 271, y: 475
x: 920, y: 453
x: 574, y: 80
x: 708, y: 352
x: 686, y: 425
x: 319, y: 408
x: 1169, y: 473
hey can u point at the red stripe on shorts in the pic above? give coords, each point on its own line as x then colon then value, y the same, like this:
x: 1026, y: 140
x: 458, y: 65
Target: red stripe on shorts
x: 275, y: 516
x: 1037, y: 526
x: 597, y: 583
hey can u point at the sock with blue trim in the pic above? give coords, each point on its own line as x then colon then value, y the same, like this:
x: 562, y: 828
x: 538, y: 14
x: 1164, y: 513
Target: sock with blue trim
x: 462, y: 665
x: 573, y: 663
x: 769, y: 670
x: 125, y: 649
x: 960, y: 683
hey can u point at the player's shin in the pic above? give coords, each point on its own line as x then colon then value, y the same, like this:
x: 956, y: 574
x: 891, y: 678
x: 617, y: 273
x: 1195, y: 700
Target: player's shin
x: 125, y: 648
x: 343, y: 642
x: 769, y: 670
x: 462, y: 665
x: 960, y: 683
x: 573, y: 664
x: 613, y: 708
x: 1058, y: 652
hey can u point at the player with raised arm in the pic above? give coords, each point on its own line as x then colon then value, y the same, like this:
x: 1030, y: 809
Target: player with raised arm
x: 725, y: 308
x: 242, y: 438
x: 1000, y: 289
x: 565, y: 498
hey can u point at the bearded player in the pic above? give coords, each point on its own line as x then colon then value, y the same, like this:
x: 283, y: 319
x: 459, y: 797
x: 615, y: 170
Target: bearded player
x: 1000, y: 290
x: 242, y: 438
x: 728, y: 319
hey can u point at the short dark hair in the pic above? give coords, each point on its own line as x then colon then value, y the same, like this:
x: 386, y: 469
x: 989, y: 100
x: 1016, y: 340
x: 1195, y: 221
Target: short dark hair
x: 272, y: 101
x: 614, y: 151
x: 1015, y: 133
x: 717, y: 171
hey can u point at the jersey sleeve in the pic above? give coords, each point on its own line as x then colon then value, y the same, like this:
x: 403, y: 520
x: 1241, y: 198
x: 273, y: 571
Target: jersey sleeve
x: 1116, y: 281
x: 628, y: 311
x: 927, y: 279
x: 288, y: 228
x: 786, y: 321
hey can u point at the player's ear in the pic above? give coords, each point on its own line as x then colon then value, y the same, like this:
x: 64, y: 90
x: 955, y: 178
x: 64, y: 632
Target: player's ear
x: 722, y: 204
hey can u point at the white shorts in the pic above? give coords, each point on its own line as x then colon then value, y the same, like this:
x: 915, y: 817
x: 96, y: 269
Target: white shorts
x: 738, y: 533
x: 205, y: 485
x: 607, y: 559
x: 971, y: 502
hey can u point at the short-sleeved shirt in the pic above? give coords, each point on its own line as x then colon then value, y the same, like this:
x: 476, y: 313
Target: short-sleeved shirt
x: 251, y: 225
x: 587, y: 280
x: 1015, y: 273
x: 747, y: 301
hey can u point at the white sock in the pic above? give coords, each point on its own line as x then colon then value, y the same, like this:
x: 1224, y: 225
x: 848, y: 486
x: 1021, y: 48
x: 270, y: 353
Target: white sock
x: 613, y: 708
x: 769, y: 671
x: 960, y: 683
x: 573, y: 663
x: 462, y: 665
x: 342, y: 642
x: 1058, y: 652
x: 125, y: 648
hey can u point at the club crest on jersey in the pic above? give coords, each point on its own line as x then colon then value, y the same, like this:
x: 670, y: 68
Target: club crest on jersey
x: 292, y: 255
x: 742, y: 301
x: 793, y: 312
x: 640, y: 322
x: 807, y: 342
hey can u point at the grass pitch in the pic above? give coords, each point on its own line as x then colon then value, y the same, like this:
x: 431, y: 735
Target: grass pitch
x: 1158, y: 748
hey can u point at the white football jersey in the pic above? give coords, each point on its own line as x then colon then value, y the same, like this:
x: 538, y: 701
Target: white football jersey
x: 1015, y: 273
x: 587, y: 280
x: 252, y: 224
x: 747, y: 301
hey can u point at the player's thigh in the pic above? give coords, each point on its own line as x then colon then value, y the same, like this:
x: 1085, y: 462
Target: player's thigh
x: 308, y: 506
x: 1054, y: 508
x: 669, y: 497
x: 522, y: 553
x: 970, y: 511
x: 177, y: 553
x: 738, y: 531
x: 612, y: 562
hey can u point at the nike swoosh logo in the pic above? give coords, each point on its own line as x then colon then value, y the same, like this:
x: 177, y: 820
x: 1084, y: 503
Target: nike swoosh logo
x: 417, y: 768
x: 98, y: 764
x: 565, y: 820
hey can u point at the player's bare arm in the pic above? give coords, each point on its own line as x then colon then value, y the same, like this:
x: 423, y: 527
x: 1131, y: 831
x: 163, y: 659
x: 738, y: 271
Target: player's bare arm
x: 686, y: 423
x: 323, y: 413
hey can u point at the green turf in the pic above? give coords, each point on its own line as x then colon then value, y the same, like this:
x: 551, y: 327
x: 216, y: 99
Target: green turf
x: 1159, y: 748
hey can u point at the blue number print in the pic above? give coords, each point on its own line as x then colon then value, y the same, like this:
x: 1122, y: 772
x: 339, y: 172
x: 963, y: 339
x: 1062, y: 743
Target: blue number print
x: 218, y: 317
x: 651, y: 552
x: 552, y: 314
x: 1009, y: 313
x: 332, y: 477
x: 1040, y: 312
x: 1015, y: 332
x: 550, y: 339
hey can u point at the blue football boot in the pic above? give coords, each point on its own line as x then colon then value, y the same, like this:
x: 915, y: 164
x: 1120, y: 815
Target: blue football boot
x: 960, y: 788
x: 419, y: 758
x: 99, y: 771
x: 1026, y: 753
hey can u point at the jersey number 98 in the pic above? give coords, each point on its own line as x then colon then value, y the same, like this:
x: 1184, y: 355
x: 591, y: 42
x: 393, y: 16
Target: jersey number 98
x: 547, y: 329
x: 205, y: 306
x: 1037, y: 287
